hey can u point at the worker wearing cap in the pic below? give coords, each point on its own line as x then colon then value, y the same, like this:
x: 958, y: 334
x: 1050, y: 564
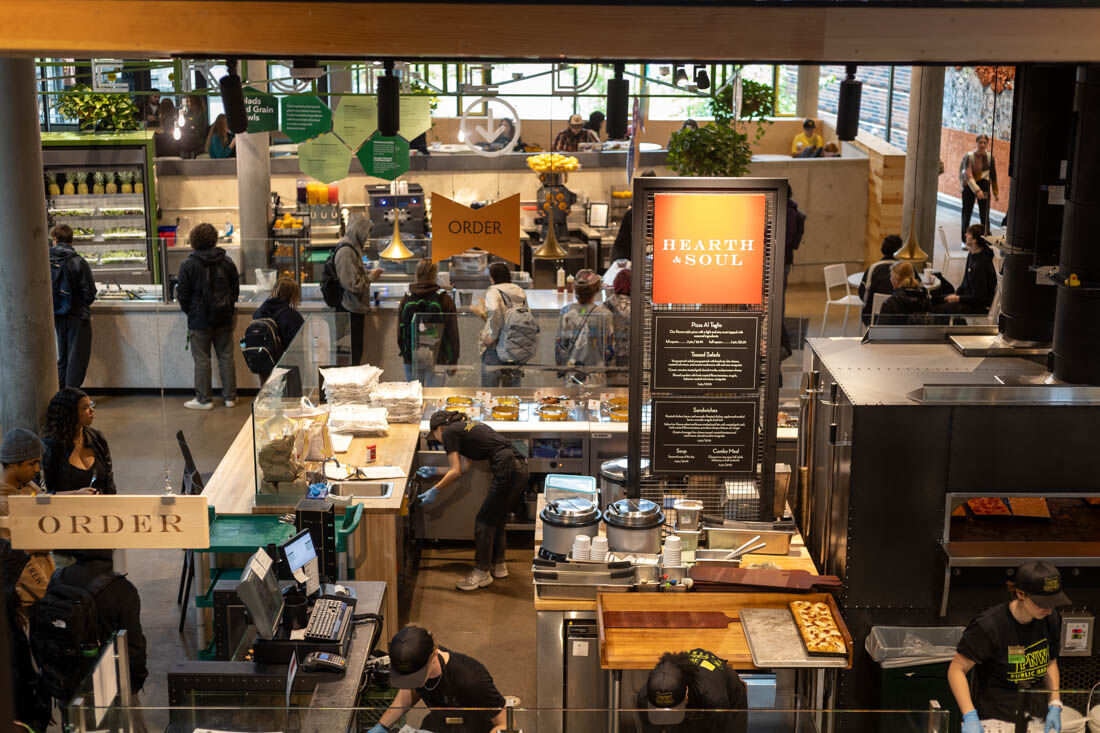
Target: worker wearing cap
x: 1013, y: 646
x: 807, y: 144
x: 458, y: 688
x: 696, y: 691
x: 569, y: 140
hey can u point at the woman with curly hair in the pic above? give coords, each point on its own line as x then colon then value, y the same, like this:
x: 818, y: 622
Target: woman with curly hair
x: 76, y: 458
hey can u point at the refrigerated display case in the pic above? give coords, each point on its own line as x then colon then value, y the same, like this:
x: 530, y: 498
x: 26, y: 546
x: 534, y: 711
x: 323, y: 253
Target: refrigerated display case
x: 102, y: 185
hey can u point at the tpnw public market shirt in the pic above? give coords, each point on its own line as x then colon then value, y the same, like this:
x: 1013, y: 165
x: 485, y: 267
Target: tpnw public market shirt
x: 1008, y: 655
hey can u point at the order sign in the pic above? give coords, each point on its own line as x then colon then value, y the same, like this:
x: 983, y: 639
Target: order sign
x: 703, y: 436
x: 704, y: 352
x: 708, y: 248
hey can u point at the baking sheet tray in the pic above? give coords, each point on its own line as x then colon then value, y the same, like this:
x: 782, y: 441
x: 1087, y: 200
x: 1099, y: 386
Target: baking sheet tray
x: 775, y: 643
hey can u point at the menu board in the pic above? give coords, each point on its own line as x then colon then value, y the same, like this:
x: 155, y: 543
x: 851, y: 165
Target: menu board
x: 701, y: 352
x: 703, y: 436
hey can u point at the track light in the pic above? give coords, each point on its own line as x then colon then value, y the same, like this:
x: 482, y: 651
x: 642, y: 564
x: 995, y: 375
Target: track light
x: 618, y: 91
x: 233, y: 99
x: 389, y: 101
x: 680, y: 76
x: 702, y: 78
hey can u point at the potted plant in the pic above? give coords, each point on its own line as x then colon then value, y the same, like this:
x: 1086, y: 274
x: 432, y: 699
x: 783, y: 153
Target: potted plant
x: 96, y: 111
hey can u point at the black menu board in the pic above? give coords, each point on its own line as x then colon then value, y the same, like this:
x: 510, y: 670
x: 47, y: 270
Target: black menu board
x: 703, y: 352
x: 703, y: 436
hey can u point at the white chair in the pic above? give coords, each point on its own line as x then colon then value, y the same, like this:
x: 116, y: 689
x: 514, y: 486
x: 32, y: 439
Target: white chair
x: 876, y: 306
x: 836, y: 276
x: 951, y: 255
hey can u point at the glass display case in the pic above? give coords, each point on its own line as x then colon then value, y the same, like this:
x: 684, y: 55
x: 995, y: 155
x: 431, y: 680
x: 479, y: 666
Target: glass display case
x: 102, y: 185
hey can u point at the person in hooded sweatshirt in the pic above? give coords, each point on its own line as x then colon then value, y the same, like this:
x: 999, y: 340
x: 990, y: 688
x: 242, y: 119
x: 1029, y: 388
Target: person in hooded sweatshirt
x: 207, y: 290
x: 282, y: 307
x: 427, y: 331
x: 975, y: 294
x: 355, y: 279
x: 72, y: 316
x: 908, y: 299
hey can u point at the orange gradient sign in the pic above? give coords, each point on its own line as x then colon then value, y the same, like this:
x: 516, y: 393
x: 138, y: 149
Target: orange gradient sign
x: 708, y: 248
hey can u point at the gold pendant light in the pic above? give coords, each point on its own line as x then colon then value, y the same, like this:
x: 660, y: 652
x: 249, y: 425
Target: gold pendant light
x: 550, y: 249
x: 910, y: 251
x: 396, y: 249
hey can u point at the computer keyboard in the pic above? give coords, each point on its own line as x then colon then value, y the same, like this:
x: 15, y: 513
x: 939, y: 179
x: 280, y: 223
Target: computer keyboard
x: 327, y: 621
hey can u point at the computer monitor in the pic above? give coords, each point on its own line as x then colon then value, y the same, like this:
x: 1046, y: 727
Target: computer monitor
x: 259, y: 591
x: 301, y: 559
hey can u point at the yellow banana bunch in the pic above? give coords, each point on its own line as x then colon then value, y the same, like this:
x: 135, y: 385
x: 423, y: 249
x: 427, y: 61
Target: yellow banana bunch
x: 553, y: 163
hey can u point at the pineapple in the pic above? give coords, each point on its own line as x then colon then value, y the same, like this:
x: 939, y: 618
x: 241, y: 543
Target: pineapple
x: 82, y: 182
x: 139, y: 186
x: 127, y: 181
x: 99, y: 179
x: 69, y: 188
x: 111, y: 187
x: 51, y: 184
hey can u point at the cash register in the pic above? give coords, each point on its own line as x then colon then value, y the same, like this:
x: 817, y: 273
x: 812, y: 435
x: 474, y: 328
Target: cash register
x: 304, y: 615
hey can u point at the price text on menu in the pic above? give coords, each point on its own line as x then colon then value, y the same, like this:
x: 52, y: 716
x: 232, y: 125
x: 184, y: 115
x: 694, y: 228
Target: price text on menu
x: 704, y: 352
x: 703, y: 436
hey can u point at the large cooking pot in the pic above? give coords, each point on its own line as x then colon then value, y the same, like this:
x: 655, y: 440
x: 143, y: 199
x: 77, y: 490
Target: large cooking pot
x: 613, y: 480
x: 564, y: 519
x: 634, y: 525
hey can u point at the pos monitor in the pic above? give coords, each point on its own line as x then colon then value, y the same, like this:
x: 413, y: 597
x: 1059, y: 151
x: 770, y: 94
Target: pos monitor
x: 301, y: 559
x: 259, y: 591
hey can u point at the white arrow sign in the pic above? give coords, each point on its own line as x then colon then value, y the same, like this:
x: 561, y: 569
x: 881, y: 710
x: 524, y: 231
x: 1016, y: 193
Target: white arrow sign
x: 496, y: 131
x: 466, y: 134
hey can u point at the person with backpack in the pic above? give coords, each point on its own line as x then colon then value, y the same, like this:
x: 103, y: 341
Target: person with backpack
x: 274, y: 325
x: 584, y: 344
x: 31, y: 705
x: 207, y: 290
x: 84, y: 604
x: 619, y: 305
x: 73, y: 294
x: 21, y: 458
x: 510, y: 333
x: 346, y: 281
x: 427, y: 330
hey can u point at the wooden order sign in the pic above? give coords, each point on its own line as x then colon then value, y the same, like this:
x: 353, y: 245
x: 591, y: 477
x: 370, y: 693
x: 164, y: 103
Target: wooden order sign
x: 457, y: 228
x: 108, y: 522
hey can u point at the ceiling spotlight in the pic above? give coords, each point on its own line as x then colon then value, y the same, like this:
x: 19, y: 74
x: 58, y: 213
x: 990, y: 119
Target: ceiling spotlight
x: 702, y: 78
x: 680, y: 77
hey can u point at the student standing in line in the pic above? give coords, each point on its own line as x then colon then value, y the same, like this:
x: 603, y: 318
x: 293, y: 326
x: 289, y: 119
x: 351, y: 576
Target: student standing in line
x: 355, y: 279
x: 73, y: 295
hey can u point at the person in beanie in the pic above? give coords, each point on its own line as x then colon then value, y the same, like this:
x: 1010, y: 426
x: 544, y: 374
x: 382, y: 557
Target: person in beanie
x: 1013, y: 646
x: 21, y: 459
x: 421, y: 670
x: 207, y: 290
x: 694, y: 690
x: 355, y: 279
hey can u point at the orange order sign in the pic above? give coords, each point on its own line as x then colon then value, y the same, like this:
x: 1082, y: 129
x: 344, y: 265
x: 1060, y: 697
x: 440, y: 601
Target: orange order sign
x: 708, y: 248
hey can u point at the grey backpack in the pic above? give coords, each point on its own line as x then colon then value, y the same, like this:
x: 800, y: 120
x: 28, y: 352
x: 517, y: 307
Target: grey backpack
x: 518, y: 333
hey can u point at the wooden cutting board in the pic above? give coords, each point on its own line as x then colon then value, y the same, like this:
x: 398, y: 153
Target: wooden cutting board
x: 667, y: 619
x: 796, y: 580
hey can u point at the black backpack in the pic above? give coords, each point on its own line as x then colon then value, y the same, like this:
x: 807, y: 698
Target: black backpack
x: 62, y: 286
x: 261, y: 345
x: 331, y: 289
x: 217, y: 294
x: 65, y: 635
x: 425, y: 332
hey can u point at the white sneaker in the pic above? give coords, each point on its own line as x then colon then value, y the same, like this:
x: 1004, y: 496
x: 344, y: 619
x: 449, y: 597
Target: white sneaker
x: 476, y: 579
x: 194, y: 404
x: 500, y: 570
x: 230, y: 403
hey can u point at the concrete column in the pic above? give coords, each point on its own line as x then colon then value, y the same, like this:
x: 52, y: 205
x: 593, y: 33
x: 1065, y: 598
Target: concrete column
x: 806, y: 99
x: 922, y: 157
x: 254, y: 184
x: 28, y: 371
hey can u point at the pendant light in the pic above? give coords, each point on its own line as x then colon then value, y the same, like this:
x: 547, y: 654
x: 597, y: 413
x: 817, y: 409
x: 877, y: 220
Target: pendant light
x: 550, y: 249
x: 911, y: 251
x: 396, y: 249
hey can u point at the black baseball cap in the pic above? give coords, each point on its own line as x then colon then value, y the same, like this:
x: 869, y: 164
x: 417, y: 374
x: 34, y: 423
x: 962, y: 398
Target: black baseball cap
x: 1043, y: 584
x: 808, y: 123
x: 411, y: 652
x: 666, y: 694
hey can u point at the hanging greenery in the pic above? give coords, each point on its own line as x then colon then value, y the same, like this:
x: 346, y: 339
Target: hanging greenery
x: 96, y: 111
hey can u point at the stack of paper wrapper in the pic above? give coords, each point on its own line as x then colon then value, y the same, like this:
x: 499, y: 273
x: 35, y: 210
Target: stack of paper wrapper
x: 404, y: 401
x: 357, y: 419
x: 350, y: 385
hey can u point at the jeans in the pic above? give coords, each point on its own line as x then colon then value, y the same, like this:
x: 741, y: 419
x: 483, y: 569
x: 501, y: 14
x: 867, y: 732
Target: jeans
x: 74, y: 349
x: 356, y: 323
x: 510, y: 479
x: 435, y: 377
x: 493, y: 374
x: 222, y: 340
x: 968, y: 199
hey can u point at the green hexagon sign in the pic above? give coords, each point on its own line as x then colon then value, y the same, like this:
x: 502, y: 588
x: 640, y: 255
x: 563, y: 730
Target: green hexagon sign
x: 384, y: 157
x: 326, y: 158
x: 355, y: 120
x: 305, y: 116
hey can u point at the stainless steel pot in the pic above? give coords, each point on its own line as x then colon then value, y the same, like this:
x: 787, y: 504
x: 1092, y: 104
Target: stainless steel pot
x: 564, y: 519
x: 633, y: 525
x: 613, y: 480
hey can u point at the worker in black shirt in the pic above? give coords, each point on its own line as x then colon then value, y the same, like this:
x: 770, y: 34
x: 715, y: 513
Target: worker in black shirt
x: 1013, y: 646
x: 696, y: 691
x: 458, y: 688
x: 476, y: 441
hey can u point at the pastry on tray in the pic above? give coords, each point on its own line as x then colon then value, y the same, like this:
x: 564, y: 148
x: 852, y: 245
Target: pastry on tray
x: 818, y: 628
x: 988, y: 506
x: 1026, y: 506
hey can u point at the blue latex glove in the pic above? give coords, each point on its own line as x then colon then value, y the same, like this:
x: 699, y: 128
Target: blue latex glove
x: 429, y: 496
x: 427, y: 472
x: 379, y: 729
x: 1054, y: 720
x: 971, y: 723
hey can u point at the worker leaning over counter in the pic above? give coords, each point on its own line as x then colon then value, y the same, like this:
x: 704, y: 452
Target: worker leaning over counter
x: 1013, y: 646
x: 693, y: 691
x: 476, y: 441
